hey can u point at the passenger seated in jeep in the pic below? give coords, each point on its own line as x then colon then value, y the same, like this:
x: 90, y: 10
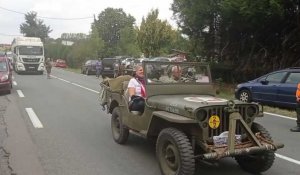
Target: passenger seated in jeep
x: 175, y: 75
x: 136, y: 90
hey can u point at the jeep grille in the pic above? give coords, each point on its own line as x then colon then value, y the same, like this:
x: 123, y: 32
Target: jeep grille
x: 224, y: 120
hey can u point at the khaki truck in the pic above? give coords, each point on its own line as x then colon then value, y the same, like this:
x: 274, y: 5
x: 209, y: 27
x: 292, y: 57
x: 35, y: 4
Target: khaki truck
x: 188, y: 122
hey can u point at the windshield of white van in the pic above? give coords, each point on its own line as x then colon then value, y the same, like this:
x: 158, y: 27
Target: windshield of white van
x: 30, y: 50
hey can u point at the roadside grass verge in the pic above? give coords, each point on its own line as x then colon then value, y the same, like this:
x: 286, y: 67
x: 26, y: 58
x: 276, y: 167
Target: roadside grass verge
x: 227, y: 92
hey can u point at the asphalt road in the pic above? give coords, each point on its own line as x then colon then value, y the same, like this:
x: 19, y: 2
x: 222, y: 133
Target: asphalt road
x: 72, y: 135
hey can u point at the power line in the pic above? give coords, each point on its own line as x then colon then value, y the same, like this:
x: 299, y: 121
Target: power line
x: 90, y: 17
x: 3, y: 34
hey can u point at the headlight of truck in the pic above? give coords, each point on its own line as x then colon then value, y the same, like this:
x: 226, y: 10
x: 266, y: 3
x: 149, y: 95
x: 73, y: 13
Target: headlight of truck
x: 201, y: 115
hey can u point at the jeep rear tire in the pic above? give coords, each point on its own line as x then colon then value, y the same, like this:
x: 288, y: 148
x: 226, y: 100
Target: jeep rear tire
x: 119, y: 131
x: 259, y: 162
x: 175, y: 153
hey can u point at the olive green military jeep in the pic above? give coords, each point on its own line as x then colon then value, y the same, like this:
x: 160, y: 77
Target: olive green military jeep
x: 188, y: 121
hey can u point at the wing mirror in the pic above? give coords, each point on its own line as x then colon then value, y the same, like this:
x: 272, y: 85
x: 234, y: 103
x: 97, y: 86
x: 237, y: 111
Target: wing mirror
x: 264, y: 82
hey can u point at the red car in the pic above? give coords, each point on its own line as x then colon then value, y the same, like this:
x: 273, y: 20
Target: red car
x: 5, y: 75
x: 60, y: 63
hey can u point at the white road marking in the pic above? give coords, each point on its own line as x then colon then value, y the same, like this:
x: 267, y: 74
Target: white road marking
x: 84, y: 87
x: 34, y: 119
x: 20, y: 93
x: 75, y: 84
x: 281, y: 116
x: 288, y: 159
x: 15, y: 83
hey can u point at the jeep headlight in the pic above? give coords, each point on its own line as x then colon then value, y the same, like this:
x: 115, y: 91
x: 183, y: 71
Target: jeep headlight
x: 251, y: 111
x: 201, y: 115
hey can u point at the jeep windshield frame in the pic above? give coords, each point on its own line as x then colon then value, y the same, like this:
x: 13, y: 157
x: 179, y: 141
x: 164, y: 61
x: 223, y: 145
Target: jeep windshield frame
x: 194, y: 78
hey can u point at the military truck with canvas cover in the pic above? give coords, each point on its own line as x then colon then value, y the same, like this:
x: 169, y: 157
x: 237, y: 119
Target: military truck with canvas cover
x: 188, y: 121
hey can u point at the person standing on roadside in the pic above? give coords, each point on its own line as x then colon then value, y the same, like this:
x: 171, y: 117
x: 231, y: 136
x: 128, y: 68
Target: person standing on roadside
x: 48, y: 66
x: 297, y: 128
x: 98, y: 68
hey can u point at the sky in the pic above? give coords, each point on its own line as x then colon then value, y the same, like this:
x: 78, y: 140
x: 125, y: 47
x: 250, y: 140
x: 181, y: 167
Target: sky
x: 12, y: 14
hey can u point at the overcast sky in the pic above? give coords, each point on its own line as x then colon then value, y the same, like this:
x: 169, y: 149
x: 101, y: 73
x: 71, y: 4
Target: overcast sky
x: 10, y: 21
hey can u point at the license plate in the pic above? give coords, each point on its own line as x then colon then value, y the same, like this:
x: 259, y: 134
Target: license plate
x: 107, y: 68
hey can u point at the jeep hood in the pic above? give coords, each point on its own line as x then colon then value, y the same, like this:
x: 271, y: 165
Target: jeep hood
x: 184, y: 105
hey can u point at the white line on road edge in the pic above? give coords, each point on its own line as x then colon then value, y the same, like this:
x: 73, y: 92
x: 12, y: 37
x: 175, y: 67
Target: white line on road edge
x: 84, y: 87
x: 281, y: 116
x: 15, y: 83
x: 288, y: 159
x: 34, y: 119
x: 78, y: 85
x: 20, y: 93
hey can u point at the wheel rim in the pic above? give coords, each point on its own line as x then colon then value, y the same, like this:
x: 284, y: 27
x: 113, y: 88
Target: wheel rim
x: 244, y: 96
x: 116, y: 127
x: 169, y: 158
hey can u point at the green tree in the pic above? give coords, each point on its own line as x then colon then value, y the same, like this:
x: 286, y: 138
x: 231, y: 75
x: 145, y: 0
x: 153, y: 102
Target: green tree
x: 154, y: 34
x: 241, y: 34
x: 128, y: 42
x: 109, y: 25
x: 34, y: 27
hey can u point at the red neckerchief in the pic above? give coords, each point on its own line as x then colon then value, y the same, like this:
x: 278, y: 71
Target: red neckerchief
x: 143, y: 90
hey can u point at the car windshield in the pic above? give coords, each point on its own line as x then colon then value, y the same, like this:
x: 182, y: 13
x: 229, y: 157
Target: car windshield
x: 30, y: 50
x: 3, y: 66
x: 176, y: 73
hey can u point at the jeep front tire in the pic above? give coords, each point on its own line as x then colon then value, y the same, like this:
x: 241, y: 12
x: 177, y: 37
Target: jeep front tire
x: 175, y: 153
x: 119, y: 131
x: 259, y: 162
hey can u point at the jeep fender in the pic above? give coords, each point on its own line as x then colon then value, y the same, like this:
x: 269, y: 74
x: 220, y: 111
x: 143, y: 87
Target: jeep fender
x: 174, y: 118
x: 163, y: 119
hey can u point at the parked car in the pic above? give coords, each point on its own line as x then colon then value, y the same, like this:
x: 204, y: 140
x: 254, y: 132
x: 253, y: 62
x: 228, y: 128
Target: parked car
x: 5, y: 75
x: 60, y: 63
x: 277, y: 89
x: 110, y: 67
x: 127, y: 62
x: 89, y: 67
